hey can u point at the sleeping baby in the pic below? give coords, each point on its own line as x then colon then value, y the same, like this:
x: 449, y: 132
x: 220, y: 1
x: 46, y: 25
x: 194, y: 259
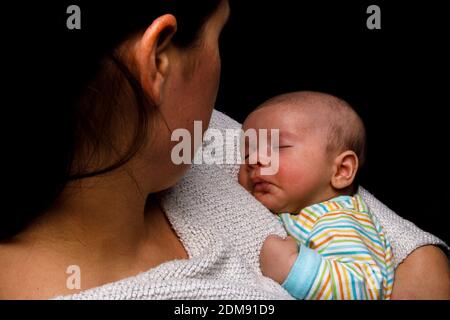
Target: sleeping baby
x: 336, y: 248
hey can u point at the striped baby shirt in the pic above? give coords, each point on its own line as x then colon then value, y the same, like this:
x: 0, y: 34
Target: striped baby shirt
x: 343, y: 252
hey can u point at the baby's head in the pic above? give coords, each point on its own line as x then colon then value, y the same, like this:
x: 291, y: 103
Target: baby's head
x: 321, y: 147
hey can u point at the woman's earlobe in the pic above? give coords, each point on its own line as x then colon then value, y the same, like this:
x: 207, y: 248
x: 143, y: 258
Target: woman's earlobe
x: 151, y: 51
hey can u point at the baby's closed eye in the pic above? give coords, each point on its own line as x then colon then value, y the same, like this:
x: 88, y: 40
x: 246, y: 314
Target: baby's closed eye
x: 282, y: 147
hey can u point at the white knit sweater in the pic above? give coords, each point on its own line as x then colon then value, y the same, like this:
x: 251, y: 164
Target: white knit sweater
x: 222, y: 228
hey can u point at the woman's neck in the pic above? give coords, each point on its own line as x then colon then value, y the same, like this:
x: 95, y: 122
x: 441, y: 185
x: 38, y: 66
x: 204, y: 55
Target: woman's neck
x: 106, y: 213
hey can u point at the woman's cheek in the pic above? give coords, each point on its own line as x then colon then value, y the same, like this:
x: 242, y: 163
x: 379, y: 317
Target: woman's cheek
x: 207, y: 85
x: 215, y: 68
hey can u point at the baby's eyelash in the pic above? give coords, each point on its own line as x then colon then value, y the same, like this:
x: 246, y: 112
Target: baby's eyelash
x: 277, y: 147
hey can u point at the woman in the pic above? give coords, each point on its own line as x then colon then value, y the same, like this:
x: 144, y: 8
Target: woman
x: 87, y: 178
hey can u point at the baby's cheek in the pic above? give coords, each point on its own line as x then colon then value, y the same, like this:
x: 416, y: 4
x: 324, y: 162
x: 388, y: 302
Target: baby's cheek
x: 289, y: 174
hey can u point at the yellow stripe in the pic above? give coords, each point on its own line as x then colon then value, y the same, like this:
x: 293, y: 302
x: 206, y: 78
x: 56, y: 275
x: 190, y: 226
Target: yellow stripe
x: 347, y: 282
x: 327, y: 294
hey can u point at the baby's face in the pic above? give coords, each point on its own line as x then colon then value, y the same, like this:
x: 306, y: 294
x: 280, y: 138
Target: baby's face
x: 305, y: 168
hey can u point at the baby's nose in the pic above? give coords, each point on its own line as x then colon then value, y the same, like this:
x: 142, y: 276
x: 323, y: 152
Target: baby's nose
x: 258, y: 160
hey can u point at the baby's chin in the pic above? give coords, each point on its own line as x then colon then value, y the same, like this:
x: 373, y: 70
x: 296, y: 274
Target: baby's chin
x: 277, y: 206
x: 269, y: 201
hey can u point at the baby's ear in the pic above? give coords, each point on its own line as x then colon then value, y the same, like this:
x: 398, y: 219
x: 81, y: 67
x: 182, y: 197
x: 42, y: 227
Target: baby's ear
x: 345, y: 166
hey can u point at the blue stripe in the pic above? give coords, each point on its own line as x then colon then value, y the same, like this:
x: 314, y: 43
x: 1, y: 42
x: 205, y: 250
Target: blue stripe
x: 325, y: 209
x: 349, y: 246
x: 345, y: 252
x: 352, y: 279
x: 331, y: 226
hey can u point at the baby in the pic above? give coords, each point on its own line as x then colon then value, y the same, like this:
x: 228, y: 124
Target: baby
x: 340, y: 251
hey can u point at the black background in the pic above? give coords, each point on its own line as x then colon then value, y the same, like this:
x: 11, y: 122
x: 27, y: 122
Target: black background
x: 396, y: 78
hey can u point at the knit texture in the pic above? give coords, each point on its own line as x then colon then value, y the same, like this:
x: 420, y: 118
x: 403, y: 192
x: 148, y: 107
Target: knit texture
x: 222, y: 228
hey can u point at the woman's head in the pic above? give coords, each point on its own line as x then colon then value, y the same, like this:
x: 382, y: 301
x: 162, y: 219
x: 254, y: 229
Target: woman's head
x: 183, y: 83
x: 106, y: 97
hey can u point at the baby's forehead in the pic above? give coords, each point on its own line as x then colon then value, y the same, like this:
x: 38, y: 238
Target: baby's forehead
x: 287, y: 115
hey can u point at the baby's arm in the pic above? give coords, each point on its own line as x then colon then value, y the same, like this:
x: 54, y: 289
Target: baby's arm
x: 277, y: 257
x: 330, y: 274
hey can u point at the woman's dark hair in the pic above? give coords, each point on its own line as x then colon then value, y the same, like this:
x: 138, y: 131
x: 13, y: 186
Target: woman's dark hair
x: 66, y: 89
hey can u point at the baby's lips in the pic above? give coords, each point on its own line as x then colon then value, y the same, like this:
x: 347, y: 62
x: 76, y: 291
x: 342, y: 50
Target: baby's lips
x: 262, y: 187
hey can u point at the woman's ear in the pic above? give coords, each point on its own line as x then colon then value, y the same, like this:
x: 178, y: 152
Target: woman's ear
x: 345, y: 167
x: 151, y: 53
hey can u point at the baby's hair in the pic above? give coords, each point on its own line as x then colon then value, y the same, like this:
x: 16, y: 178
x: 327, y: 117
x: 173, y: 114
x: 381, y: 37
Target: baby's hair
x: 345, y: 128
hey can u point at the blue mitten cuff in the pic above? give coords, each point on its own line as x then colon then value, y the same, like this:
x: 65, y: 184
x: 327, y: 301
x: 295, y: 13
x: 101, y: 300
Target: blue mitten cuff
x: 303, y: 273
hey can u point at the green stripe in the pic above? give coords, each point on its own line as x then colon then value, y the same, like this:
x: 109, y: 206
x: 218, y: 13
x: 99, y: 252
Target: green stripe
x: 312, y: 213
x: 333, y: 282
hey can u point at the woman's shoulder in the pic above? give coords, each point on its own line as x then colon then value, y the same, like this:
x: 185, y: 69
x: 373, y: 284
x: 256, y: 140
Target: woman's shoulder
x: 424, y: 274
x: 22, y: 275
x: 404, y: 236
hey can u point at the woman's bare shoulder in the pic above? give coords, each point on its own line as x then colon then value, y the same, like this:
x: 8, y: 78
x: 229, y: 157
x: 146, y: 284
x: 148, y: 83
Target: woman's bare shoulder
x: 9, y: 269
x: 424, y: 274
x: 25, y: 273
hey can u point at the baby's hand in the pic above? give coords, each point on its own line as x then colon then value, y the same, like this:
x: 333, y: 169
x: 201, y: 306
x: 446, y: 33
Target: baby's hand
x: 277, y: 257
